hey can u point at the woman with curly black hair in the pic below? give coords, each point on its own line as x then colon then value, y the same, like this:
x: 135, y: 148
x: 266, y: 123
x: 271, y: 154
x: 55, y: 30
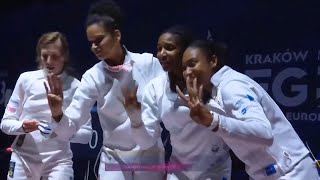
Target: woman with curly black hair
x: 121, y: 157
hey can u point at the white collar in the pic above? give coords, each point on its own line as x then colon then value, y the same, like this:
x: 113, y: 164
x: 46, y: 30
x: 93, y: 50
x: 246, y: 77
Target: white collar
x: 217, y: 78
x: 62, y: 75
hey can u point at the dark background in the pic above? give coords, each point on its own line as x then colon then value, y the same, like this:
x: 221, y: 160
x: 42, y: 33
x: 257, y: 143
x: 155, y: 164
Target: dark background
x: 248, y: 27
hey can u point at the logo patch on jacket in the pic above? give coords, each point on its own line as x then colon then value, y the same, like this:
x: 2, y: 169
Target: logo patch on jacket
x: 243, y: 102
x: 250, y: 97
x: 12, y: 106
x: 11, y: 168
x: 271, y: 169
x: 244, y: 110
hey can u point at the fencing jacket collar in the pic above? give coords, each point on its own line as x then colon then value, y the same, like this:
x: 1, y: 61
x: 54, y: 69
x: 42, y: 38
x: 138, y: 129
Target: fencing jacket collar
x: 126, y: 66
x: 218, y: 76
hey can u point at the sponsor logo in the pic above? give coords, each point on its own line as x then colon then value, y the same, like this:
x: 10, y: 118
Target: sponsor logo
x: 11, y: 168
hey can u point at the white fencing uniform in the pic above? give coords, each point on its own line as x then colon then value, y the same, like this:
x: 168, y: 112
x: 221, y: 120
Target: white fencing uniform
x: 194, y: 147
x: 257, y: 131
x: 101, y: 84
x: 39, y: 154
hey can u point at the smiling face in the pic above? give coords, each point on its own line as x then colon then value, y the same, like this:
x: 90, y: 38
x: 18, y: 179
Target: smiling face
x: 169, y: 52
x: 52, y: 59
x: 197, y: 64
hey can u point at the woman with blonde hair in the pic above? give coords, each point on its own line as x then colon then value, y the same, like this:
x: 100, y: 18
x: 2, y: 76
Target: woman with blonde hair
x: 37, y: 151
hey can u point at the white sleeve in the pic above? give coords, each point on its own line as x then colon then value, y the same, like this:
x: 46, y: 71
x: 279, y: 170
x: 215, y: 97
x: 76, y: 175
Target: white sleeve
x: 154, y: 70
x: 11, y: 123
x: 83, y: 135
x: 157, y: 68
x: 246, y: 119
x: 78, y: 113
x: 147, y: 134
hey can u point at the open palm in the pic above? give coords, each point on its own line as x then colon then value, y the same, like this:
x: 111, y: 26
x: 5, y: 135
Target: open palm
x: 54, y: 94
x: 198, y: 112
x: 132, y: 106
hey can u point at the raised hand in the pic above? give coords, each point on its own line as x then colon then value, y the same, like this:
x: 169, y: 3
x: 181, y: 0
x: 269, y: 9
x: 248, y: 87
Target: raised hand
x: 198, y: 112
x: 130, y: 102
x: 132, y: 106
x: 55, y: 96
x: 30, y: 125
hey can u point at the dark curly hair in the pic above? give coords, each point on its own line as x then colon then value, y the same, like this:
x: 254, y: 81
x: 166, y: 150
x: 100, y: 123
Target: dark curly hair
x: 106, y: 12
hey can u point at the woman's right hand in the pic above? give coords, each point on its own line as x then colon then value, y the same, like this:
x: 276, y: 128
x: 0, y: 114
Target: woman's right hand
x: 55, y: 96
x: 30, y: 125
x: 132, y: 106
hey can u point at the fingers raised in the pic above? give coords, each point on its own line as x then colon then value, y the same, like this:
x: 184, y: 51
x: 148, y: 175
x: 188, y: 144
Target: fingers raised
x: 200, y: 92
x: 181, y: 95
x: 55, y: 85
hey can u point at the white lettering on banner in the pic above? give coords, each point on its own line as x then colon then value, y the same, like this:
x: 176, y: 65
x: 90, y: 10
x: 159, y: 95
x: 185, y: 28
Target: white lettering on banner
x: 261, y: 73
x: 277, y: 92
x: 285, y: 83
x: 302, y: 90
x: 303, y: 116
x: 95, y: 137
x: 275, y: 58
